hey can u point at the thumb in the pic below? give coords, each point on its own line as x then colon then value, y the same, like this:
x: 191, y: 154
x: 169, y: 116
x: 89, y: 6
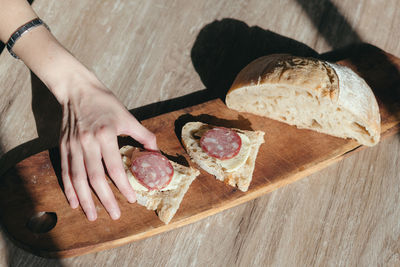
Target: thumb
x: 141, y: 134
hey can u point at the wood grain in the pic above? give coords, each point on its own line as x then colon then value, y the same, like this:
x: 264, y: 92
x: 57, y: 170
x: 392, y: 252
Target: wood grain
x: 346, y: 215
x: 287, y: 155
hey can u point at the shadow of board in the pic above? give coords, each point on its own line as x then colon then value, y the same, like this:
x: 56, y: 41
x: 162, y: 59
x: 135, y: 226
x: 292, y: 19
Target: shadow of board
x: 221, y: 50
x: 38, y: 224
x: 47, y: 114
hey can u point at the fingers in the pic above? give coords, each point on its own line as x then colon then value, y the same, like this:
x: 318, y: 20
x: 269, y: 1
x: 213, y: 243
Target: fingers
x: 138, y: 132
x: 82, y: 161
x: 113, y: 162
x: 79, y: 180
x: 96, y: 175
x: 92, y: 120
x: 68, y: 188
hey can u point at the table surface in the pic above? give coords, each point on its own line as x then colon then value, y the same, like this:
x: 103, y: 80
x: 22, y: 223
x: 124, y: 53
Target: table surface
x: 153, y: 51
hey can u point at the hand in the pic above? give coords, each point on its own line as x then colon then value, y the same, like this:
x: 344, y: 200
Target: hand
x: 92, y: 115
x: 92, y: 119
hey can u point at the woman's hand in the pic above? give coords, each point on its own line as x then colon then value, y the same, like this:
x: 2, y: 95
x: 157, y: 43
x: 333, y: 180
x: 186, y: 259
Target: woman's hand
x: 92, y: 120
x: 92, y: 115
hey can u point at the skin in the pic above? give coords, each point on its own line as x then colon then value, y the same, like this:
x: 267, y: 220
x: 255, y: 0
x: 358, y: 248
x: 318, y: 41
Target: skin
x: 92, y: 116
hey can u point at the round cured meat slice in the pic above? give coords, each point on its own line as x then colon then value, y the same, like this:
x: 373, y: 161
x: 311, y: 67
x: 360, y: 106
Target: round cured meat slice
x: 152, y: 170
x: 221, y: 143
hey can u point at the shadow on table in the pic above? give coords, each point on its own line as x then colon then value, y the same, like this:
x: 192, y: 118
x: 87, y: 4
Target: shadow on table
x: 371, y: 62
x: 378, y: 71
x: 47, y: 114
x: 224, y: 47
x: 221, y: 50
x: 15, y: 256
x: 330, y: 23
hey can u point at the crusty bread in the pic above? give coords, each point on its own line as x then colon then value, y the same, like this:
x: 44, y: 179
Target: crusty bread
x: 166, y: 203
x: 240, y: 178
x: 309, y: 93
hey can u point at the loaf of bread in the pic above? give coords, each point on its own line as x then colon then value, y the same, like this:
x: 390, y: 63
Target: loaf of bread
x: 309, y: 93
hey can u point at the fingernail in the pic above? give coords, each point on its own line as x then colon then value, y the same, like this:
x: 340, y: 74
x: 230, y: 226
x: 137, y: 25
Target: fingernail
x: 73, y: 203
x: 131, y: 198
x: 91, y: 216
x: 115, y: 214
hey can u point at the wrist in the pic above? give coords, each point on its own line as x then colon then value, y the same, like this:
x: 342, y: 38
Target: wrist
x: 72, y: 82
x: 61, y: 72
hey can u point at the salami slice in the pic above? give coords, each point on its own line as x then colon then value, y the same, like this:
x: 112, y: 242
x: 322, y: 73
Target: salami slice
x: 152, y: 170
x: 221, y: 143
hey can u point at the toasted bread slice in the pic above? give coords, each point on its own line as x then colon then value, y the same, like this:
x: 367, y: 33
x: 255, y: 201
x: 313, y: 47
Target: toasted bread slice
x: 166, y: 203
x: 240, y: 178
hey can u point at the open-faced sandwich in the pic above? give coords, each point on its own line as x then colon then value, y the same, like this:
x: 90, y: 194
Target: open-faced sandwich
x: 227, y: 153
x: 159, y: 183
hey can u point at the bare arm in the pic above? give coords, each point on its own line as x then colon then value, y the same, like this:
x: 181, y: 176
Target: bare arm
x: 92, y: 115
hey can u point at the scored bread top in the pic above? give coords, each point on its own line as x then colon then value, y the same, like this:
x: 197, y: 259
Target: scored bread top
x: 328, y: 93
x: 315, y: 75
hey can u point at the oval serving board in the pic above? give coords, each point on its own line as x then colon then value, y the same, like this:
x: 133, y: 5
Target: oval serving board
x: 32, y: 186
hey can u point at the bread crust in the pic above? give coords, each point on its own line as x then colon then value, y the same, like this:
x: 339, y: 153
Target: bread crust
x: 357, y: 98
x: 315, y: 76
x: 331, y: 85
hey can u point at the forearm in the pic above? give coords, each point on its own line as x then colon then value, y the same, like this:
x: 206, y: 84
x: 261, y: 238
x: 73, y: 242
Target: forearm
x: 40, y: 51
x: 92, y: 116
x: 13, y: 14
x: 51, y: 62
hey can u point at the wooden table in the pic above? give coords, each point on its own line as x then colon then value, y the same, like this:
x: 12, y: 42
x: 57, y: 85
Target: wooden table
x: 152, y: 51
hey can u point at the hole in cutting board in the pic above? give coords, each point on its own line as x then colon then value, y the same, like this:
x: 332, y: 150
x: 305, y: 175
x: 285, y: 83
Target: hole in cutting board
x: 42, y: 222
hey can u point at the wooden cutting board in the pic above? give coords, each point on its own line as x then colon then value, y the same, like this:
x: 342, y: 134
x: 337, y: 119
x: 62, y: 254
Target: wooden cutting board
x: 32, y: 187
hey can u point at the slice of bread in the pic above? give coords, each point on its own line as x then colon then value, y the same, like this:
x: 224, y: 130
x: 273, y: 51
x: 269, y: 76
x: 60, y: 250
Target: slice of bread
x: 309, y: 93
x: 240, y: 178
x: 166, y: 203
